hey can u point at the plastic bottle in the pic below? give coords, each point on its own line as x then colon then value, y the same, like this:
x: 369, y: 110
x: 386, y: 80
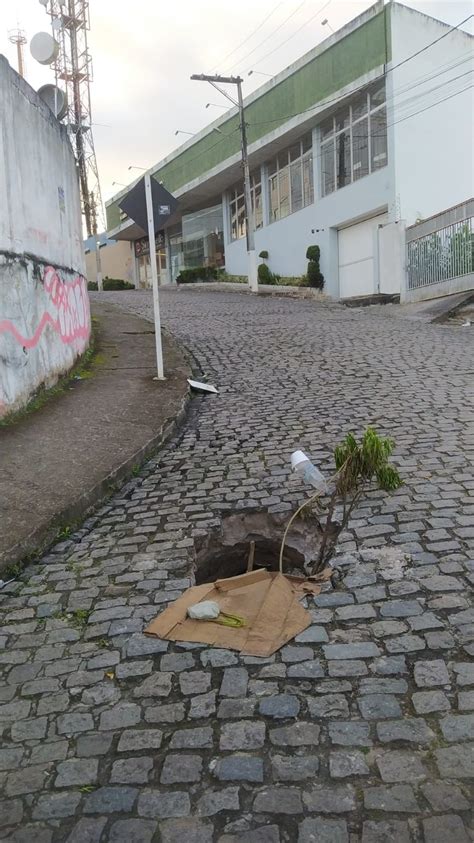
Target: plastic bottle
x: 302, y: 465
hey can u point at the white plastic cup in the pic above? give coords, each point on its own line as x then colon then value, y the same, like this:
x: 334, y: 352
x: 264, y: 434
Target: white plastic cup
x: 302, y: 465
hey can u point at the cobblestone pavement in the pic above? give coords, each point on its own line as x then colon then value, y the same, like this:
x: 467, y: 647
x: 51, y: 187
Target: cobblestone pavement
x: 362, y: 729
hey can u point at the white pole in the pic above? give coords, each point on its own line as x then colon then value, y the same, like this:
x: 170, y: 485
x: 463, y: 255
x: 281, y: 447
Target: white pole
x: 154, y: 277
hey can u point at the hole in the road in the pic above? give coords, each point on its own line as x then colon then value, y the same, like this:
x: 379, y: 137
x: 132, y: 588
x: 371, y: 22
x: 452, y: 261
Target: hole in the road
x: 224, y: 553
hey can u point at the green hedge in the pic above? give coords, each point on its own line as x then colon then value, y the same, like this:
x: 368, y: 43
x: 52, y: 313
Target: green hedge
x: 196, y: 274
x: 111, y: 284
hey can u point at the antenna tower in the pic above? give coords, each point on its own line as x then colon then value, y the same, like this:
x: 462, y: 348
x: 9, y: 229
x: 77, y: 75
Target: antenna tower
x: 18, y: 37
x: 73, y: 66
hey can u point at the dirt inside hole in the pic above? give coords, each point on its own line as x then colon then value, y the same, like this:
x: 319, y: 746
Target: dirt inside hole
x: 225, y: 553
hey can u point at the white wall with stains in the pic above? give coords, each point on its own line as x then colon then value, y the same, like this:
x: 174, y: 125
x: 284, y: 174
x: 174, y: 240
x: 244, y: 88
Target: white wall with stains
x: 44, y: 306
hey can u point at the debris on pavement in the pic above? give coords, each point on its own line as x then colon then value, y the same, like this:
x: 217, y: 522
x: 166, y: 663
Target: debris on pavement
x: 198, y: 386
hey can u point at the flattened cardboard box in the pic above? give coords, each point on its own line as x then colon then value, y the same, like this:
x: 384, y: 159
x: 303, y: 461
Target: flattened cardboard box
x: 268, y: 602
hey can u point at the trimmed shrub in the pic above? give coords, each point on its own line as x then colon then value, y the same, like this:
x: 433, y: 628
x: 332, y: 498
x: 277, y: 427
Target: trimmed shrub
x: 196, y: 274
x: 264, y: 255
x: 313, y: 274
x: 265, y: 276
x: 111, y: 284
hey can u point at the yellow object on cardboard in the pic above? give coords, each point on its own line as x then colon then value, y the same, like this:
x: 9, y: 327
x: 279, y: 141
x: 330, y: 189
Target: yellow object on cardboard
x: 268, y: 602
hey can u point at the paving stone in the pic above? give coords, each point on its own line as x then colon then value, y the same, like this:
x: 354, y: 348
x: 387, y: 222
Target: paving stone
x: 120, y: 717
x: 52, y: 805
x: 410, y: 730
x: 456, y: 762
x: 214, y: 801
x: 280, y: 706
x: 334, y: 599
x: 194, y: 682
x: 134, y: 770
x: 74, y: 722
x: 331, y: 705
x: 156, y: 685
x: 399, y: 797
x: 441, y: 828
x: 87, y: 830
x: 400, y: 766
x: 93, y: 744
x: 363, y: 650
x: 379, y: 706
x: 458, y: 727
x: 350, y: 733
x: 382, y: 628
x: 104, y: 693
x: 464, y: 673
x: 385, y: 832
x: 110, y: 800
x: 26, y: 780
x: 312, y: 635
x: 134, y: 740
x: 439, y: 640
x: 203, y: 705
x: 444, y: 796
x: 264, y: 834
x: 294, y: 768
x: 429, y: 673
x: 405, y: 644
x: 181, y: 768
x: 400, y: 608
x: 323, y: 831
x: 465, y: 700
x: 336, y: 799
x: 390, y: 665
x: 298, y: 734
x: 235, y: 709
x: 176, y: 662
x: 425, y: 702
x: 239, y: 767
x: 76, y: 771
x: 347, y: 668
x: 162, y: 804
x: 10, y: 758
x: 425, y: 621
x: 30, y: 729
x: 129, y: 670
x: 165, y: 713
x: 291, y: 654
x: 383, y: 686
x: 278, y: 800
x: 243, y: 735
x: 133, y: 831
x: 343, y: 764
x: 187, y: 829
x: 200, y: 738
x: 51, y: 751
x: 144, y: 645
x: 234, y: 682
x: 218, y: 658
x: 305, y: 670
x: 442, y: 583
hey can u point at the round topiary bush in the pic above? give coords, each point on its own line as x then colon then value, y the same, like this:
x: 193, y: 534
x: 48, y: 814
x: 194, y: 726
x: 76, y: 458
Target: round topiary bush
x: 314, y: 274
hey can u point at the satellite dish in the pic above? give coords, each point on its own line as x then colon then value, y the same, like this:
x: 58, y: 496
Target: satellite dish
x: 44, y: 48
x: 55, y: 99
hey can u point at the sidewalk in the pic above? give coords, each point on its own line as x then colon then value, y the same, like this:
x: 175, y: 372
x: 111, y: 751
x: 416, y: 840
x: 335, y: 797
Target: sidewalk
x: 61, y: 460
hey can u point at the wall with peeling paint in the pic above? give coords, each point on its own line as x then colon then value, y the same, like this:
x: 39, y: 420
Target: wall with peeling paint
x: 44, y: 306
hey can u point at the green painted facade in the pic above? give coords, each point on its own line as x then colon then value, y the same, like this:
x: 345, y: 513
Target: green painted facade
x: 360, y: 51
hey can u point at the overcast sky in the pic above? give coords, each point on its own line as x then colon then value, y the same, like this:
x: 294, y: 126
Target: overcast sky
x: 144, y: 52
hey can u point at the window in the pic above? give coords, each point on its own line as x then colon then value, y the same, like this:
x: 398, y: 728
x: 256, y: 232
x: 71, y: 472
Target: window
x: 290, y: 180
x: 237, y: 207
x: 354, y: 141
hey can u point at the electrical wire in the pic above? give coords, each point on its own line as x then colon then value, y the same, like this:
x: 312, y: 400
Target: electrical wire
x: 361, y: 88
x: 270, y: 35
x: 254, y: 32
x: 291, y: 36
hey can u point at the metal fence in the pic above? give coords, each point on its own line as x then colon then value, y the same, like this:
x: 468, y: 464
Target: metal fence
x: 441, y: 248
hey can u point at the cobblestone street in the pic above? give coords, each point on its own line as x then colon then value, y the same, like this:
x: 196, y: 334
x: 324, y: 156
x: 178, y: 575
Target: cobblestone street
x: 359, y: 731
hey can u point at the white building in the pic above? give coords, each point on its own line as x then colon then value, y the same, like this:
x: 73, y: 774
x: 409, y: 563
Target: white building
x: 364, y: 135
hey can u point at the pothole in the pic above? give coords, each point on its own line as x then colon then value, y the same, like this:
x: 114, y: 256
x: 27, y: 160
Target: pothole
x: 224, y: 553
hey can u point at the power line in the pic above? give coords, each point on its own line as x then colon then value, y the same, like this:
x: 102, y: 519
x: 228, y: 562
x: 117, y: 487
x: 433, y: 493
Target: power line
x: 270, y: 35
x: 254, y: 32
x: 362, y: 87
x: 293, y: 35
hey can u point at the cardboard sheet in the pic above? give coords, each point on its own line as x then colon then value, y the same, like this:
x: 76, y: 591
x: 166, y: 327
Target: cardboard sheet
x: 269, y: 603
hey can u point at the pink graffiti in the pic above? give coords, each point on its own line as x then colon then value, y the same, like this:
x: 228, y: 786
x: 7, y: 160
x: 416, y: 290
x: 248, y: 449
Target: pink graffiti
x: 67, y: 311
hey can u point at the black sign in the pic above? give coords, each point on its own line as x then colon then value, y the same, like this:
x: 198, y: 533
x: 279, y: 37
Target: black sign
x: 134, y: 205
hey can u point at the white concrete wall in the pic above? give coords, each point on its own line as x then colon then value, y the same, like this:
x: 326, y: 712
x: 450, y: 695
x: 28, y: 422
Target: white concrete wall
x: 287, y: 240
x: 44, y: 307
x: 434, y: 161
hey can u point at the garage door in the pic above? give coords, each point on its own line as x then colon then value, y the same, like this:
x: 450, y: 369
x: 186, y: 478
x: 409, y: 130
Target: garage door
x: 357, y: 267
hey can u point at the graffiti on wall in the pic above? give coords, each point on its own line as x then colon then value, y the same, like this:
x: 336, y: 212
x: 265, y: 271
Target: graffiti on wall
x: 66, y: 311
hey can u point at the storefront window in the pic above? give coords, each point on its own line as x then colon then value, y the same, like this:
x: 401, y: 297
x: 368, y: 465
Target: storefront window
x: 203, y: 237
x: 237, y: 206
x: 290, y: 180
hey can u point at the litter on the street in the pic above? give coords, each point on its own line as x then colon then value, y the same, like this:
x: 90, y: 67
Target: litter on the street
x: 266, y: 603
x: 202, y: 387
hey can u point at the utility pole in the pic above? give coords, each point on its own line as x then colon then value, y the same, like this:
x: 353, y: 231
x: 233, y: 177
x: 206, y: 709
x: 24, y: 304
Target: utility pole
x: 248, y: 208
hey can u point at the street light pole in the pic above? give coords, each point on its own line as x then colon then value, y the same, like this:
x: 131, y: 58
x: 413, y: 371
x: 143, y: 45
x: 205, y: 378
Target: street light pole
x: 248, y: 209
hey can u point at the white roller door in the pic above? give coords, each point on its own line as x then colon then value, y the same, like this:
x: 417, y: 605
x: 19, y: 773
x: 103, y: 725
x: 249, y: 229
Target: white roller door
x: 357, y: 246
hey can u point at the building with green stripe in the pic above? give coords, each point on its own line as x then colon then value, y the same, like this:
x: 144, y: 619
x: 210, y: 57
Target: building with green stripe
x: 334, y: 157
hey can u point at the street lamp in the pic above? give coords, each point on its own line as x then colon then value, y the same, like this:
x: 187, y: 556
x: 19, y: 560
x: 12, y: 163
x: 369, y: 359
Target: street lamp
x: 118, y: 183
x: 134, y: 167
x: 260, y: 73
x: 325, y: 22
x: 182, y: 132
x: 215, y: 105
x: 249, y: 214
